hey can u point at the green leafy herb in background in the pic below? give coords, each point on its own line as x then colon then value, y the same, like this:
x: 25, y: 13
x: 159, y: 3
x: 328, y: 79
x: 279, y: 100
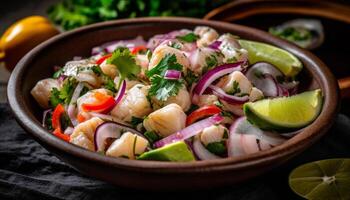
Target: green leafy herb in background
x: 71, y: 14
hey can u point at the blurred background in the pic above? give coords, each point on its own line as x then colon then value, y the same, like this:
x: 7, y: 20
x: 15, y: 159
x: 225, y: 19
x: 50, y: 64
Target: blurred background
x: 319, y: 26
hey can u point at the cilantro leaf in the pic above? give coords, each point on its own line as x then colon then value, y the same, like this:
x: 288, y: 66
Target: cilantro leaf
x: 217, y: 148
x: 135, y: 121
x: 168, y: 62
x: 63, y: 95
x: 108, y: 83
x: 190, y: 37
x: 125, y: 62
x: 162, y: 88
x: 151, y: 136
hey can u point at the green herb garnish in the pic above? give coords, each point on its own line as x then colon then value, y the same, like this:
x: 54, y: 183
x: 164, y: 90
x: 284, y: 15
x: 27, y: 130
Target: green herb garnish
x: 218, y: 148
x: 63, y: 95
x: 151, y: 136
x: 189, y: 37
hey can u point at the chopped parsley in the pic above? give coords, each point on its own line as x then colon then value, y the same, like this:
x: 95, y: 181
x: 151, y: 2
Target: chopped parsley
x: 163, y: 88
x: 232, y: 60
x: 125, y: 62
x: 176, y: 45
x: 189, y: 37
x: 218, y: 148
x: 192, y: 108
x: 108, y: 83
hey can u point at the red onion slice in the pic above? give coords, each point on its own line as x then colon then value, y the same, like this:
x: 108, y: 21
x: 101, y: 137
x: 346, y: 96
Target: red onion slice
x: 213, y: 74
x: 231, y: 99
x: 172, y: 74
x: 45, y: 116
x: 201, y: 152
x: 190, y: 131
x: 110, y: 130
x: 109, y: 47
x: 120, y: 93
x: 215, y: 45
x: 71, y: 111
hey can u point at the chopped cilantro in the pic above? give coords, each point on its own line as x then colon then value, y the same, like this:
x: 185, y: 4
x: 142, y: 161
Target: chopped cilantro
x: 136, y: 121
x: 65, y: 121
x: 232, y: 60
x: 226, y: 114
x: 211, y: 62
x: 151, y: 136
x: 168, y: 62
x: 65, y: 94
x: 235, y: 88
x: 58, y: 73
x: 189, y: 37
x: 48, y: 121
x: 175, y: 45
x: 218, y: 104
x: 191, y: 78
x: 163, y: 88
x: 108, y: 83
x: 225, y: 134
x: 125, y: 62
x: 218, y: 148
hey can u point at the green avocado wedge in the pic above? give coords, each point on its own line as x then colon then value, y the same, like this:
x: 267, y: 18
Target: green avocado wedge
x: 285, y: 113
x: 286, y: 62
x: 176, y: 152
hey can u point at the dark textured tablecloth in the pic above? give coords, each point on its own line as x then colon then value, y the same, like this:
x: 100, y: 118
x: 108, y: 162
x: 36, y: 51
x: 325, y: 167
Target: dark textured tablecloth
x: 28, y: 171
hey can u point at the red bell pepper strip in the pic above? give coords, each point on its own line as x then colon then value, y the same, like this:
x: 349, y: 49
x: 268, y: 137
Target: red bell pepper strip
x: 58, y: 133
x: 56, y: 123
x: 103, y: 58
x: 104, y: 104
x: 202, y: 112
x: 137, y: 49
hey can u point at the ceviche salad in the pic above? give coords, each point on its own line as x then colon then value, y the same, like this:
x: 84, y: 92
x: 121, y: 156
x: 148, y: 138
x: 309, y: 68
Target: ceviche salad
x: 182, y: 96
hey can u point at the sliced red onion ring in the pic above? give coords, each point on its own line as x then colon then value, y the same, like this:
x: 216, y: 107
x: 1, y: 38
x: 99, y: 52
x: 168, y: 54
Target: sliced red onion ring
x: 248, y: 137
x: 282, y: 91
x: 231, y: 99
x: 201, y: 152
x: 213, y: 74
x: 215, y: 45
x: 172, y: 74
x: 71, y: 111
x: 156, y: 40
x: 110, y: 130
x: 120, y: 93
x: 190, y: 131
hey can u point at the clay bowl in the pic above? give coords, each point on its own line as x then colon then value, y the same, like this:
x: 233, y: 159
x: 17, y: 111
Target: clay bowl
x: 38, y: 64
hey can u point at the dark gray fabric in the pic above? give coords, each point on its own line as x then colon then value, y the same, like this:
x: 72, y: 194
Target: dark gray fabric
x: 27, y: 171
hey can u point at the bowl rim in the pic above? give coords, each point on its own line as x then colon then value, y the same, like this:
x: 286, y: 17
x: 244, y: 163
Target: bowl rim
x: 291, y: 147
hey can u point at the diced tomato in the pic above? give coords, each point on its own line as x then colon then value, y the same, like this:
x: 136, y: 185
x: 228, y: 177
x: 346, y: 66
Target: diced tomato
x: 202, y: 112
x: 137, y: 49
x: 103, y: 104
x: 58, y: 133
x: 103, y: 58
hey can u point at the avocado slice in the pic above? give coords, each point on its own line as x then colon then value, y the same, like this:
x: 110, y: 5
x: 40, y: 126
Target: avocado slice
x: 177, y: 152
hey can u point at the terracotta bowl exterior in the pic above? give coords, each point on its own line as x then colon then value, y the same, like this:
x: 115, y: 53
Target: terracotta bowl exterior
x: 38, y: 64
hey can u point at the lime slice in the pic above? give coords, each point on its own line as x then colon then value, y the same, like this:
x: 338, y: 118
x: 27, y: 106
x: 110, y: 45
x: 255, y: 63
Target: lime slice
x: 321, y: 180
x: 285, y: 113
x: 283, y: 60
x: 177, y: 151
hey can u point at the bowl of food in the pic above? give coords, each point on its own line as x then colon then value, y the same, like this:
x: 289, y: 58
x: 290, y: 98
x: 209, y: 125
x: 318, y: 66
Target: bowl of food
x: 166, y: 103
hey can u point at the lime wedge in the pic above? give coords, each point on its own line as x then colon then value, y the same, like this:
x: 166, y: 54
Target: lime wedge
x: 285, y: 113
x: 283, y: 60
x: 321, y: 180
x: 177, y: 151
